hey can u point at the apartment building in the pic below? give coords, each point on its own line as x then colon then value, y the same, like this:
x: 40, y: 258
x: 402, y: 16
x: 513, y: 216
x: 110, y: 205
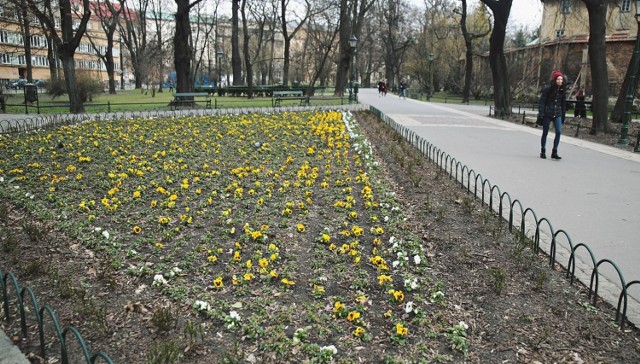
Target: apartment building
x: 13, y: 63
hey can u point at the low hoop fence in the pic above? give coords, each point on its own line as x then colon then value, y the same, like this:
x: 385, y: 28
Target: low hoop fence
x: 519, y: 217
x: 33, y: 123
x: 21, y: 302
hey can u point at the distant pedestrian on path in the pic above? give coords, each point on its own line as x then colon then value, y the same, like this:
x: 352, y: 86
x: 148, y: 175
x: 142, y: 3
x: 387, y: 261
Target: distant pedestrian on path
x: 552, y: 108
x: 403, y: 88
x: 382, y: 88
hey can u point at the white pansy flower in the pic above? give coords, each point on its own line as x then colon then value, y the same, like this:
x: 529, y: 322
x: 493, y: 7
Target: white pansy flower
x: 463, y: 324
x: 158, y: 280
x: 105, y: 234
x: 408, y: 307
x: 330, y: 348
x: 201, y: 305
x: 417, y: 259
x: 395, y: 263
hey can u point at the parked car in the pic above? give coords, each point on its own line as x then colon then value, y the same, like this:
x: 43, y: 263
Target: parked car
x: 16, y: 84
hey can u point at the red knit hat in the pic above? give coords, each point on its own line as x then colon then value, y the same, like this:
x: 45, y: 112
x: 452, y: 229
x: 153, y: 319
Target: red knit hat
x: 555, y: 75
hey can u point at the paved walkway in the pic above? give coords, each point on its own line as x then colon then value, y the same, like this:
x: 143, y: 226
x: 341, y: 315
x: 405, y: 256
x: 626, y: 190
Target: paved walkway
x: 593, y: 193
x: 10, y: 354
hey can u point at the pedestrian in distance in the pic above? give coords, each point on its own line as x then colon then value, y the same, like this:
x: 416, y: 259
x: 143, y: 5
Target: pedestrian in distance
x: 382, y: 88
x: 581, y: 110
x: 552, y: 109
x: 403, y: 88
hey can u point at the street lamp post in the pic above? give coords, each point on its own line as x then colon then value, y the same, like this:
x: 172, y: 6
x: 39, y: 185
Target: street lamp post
x: 430, y: 93
x: 353, y: 43
x: 624, y: 131
x: 219, y: 59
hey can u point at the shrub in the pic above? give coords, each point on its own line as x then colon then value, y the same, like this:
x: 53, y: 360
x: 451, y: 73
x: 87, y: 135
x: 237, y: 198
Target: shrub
x: 88, y: 86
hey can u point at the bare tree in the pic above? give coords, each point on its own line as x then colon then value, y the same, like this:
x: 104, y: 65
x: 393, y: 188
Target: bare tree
x: 501, y: 87
x: 182, y: 47
x: 352, y: 14
x: 66, y: 39
x: 236, y: 61
x: 468, y: 44
x: 161, y: 45
x: 396, y: 39
x: 203, y: 37
x: 597, y: 10
x: 134, y: 36
x: 321, y: 33
x: 284, y: 28
x: 109, y: 16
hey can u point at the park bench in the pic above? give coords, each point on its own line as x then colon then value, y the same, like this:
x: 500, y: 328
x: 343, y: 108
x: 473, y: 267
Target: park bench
x: 189, y: 99
x: 279, y: 96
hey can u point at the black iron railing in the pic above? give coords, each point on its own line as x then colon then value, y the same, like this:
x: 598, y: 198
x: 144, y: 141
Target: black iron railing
x: 491, y: 195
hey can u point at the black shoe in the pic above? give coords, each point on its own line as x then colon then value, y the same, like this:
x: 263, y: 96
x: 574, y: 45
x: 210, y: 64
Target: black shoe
x: 543, y: 156
x: 555, y: 155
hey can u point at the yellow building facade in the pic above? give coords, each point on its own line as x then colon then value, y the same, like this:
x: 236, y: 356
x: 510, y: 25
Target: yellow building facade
x: 13, y: 63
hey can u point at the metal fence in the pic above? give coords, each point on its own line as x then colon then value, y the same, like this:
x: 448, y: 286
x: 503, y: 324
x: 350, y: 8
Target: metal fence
x: 513, y: 212
x: 22, y: 302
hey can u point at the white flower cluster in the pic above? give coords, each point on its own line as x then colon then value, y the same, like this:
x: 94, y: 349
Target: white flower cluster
x: 173, y: 272
x: 411, y: 284
x: 201, y: 305
x: 330, y: 348
x: 105, y: 233
x: 232, y: 320
x: 159, y: 280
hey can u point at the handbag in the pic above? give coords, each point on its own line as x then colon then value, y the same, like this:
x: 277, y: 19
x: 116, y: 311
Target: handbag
x: 539, y: 120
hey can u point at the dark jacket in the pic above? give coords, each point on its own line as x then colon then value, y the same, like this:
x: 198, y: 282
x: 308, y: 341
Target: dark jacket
x: 553, y: 102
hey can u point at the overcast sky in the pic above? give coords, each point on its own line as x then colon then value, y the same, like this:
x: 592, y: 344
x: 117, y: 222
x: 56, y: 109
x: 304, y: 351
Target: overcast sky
x: 526, y: 12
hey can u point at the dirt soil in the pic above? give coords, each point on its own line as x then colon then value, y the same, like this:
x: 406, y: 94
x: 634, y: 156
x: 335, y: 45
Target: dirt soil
x: 518, y: 309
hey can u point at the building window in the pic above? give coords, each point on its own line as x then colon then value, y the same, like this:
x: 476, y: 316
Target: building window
x: 5, y: 58
x: 625, y: 7
x: 559, y: 33
x: 565, y: 7
x: 40, y: 61
x: 4, y: 38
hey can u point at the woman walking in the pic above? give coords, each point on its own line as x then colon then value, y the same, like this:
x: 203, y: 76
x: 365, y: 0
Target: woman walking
x: 552, y: 108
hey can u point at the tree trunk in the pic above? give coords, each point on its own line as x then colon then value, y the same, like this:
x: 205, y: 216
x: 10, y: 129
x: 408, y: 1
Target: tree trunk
x: 617, y: 114
x: 111, y: 70
x: 53, y: 60
x: 236, y: 61
x: 69, y: 67
x: 501, y: 89
x: 182, y: 48
x: 468, y: 67
x: 27, y: 41
x: 597, y: 61
x: 344, y: 50
x: 247, y: 55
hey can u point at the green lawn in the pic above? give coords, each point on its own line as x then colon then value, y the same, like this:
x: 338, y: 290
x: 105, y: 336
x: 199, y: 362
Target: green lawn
x: 138, y: 100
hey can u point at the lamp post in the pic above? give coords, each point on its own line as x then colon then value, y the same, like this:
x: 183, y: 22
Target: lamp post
x: 353, y: 43
x: 430, y: 93
x: 219, y: 59
x: 624, y: 131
